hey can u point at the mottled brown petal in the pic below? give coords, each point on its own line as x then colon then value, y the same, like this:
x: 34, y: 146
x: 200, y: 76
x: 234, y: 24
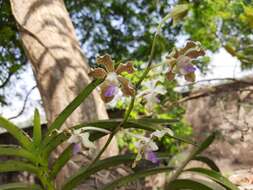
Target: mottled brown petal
x: 106, y: 60
x: 126, y: 86
x: 195, y: 53
x: 104, y: 86
x: 128, y: 67
x: 98, y: 73
x: 189, y: 45
x: 190, y: 77
x: 170, y: 76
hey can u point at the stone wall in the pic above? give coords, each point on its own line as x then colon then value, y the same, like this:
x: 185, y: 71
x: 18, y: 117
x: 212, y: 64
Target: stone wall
x: 227, y: 108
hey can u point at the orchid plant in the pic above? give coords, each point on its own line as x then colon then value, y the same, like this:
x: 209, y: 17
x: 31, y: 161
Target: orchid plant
x: 35, y: 151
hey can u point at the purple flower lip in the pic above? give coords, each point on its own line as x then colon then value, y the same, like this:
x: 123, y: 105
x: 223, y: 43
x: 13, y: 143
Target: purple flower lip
x: 76, y: 148
x: 189, y: 68
x: 110, y: 91
x: 151, y: 156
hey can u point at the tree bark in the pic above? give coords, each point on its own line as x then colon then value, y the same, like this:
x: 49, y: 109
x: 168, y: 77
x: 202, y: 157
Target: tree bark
x: 59, y: 66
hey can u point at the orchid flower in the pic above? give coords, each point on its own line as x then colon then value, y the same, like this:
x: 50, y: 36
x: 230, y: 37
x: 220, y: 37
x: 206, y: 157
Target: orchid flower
x: 150, y: 94
x: 180, y: 61
x: 146, y: 145
x: 113, y: 79
x: 80, y: 137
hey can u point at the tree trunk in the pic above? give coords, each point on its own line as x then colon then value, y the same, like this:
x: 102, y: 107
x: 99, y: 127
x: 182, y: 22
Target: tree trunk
x: 59, y: 66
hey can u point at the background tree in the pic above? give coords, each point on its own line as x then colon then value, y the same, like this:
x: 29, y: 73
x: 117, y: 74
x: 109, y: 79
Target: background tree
x: 59, y: 66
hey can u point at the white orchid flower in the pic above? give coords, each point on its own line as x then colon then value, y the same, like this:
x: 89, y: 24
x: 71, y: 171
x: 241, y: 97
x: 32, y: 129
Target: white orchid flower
x: 145, y: 147
x: 151, y: 92
x: 81, y: 137
x: 160, y: 133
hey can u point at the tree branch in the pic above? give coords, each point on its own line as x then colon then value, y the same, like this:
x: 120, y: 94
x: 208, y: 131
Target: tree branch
x: 24, y: 105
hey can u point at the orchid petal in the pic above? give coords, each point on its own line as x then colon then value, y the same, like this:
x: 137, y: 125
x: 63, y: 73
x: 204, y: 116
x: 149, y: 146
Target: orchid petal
x: 104, y: 94
x: 98, y: 73
x: 151, y: 156
x: 76, y: 148
x: 126, y: 86
x: 106, y: 60
x: 128, y: 67
x: 86, y: 141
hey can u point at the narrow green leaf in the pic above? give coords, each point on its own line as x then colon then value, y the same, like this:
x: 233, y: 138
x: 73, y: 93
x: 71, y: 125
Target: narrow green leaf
x: 15, y: 165
x: 20, y: 186
x: 85, y: 172
x: 10, y: 150
x: 135, y: 176
x: 36, y: 128
x: 17, y: 133
x: 208, y: 162
x: 215, y: 176
x: 206, y: 143
x: 58, y: 122
x: 63, y: 158
x: 180, y: 184
x: 58, y: 139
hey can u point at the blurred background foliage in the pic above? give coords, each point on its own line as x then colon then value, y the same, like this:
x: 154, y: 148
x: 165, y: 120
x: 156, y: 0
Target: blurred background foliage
x: 125, y: 30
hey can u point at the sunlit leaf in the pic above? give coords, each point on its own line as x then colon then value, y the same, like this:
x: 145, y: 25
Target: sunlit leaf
x: 215, y: 176
x: 208, y: 162
x: 10, y: 150
x: 181, y: 184
x: 63, y: 158
x: 20, y: 186
x: 36, y: 128
x: 17, y: 133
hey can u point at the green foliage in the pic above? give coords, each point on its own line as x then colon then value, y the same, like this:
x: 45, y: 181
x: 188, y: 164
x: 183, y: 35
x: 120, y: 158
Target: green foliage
x: 223, y: 23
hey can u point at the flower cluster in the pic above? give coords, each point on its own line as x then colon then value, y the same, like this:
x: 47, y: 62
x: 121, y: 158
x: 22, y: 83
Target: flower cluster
x: 180, y: 61
x: 146, y: 145
x: 113, y: 78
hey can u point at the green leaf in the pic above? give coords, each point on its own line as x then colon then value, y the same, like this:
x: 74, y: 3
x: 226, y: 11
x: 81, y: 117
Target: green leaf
x: 15, y: 165
x: 208, y: 162
x: 10, y: 150
x: 58, y: 122
x: 180, y: 184
x: 20, y: 186
x: 63, y: 158
x: 85, y: 172
x: 206, y: 143
x: 58, y: 139
x: 17, y: 133
x: 135, y: 176
x: 36, y: 128
x: 215, y: 176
